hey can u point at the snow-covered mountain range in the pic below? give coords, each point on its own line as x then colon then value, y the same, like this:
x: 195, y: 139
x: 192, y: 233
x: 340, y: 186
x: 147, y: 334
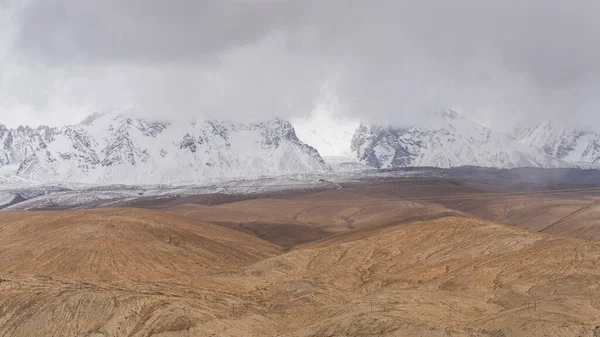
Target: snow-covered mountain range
x: 121, y: 149
x: 117, y: 149
x: 445, y: 139
x: 575, y: 146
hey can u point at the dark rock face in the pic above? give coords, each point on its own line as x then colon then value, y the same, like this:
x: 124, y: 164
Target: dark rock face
x: 18, y: 144
x: 274, y: 132
x: 188, y: 143
x: 151, y: 129
x: 367, y: 139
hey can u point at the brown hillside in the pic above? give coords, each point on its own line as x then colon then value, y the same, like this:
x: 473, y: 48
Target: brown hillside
x: 123, y: 244
x: 293, y: 221
x: 446, y: 277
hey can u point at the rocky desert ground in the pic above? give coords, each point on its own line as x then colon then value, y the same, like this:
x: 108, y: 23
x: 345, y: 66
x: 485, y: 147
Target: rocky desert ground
x: 393, y: 257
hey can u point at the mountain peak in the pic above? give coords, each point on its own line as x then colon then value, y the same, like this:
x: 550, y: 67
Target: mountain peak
x: 567, y: 144
x: 447, y: 140
x: 118, y: 148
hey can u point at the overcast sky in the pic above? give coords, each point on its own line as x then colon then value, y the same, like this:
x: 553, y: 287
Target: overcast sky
x: 502, y: 62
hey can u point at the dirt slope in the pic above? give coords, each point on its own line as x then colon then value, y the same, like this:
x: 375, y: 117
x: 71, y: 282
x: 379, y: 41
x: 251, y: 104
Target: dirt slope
x: 582, y: 223
x: 445, y: 277
x: 289, y: 222
x: 128, y: 244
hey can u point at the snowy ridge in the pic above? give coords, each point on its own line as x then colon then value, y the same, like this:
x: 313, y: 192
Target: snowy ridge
x: 120, y: 149
x: 570, y: 145
x: 16, y: 145
x: 447, y: 139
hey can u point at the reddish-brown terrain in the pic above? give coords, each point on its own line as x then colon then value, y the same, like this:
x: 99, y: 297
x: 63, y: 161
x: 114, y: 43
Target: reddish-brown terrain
x: 403, y: 258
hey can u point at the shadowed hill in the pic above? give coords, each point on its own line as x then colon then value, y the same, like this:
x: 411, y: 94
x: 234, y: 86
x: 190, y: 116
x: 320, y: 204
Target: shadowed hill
x: 289, y: 222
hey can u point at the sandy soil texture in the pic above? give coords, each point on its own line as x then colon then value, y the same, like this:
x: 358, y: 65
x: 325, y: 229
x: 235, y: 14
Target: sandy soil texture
x: 354, y: 262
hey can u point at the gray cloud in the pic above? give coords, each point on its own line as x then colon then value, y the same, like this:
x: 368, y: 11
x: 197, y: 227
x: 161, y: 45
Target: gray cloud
x: 129, y: 31
x: 503, y: 62
x: 134, y: 31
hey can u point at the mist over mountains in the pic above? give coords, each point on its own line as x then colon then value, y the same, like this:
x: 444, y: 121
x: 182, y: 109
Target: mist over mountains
x: 118, y: 148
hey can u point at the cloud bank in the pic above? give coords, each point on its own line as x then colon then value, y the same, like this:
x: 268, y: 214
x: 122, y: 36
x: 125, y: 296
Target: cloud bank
x: 388, y: 61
